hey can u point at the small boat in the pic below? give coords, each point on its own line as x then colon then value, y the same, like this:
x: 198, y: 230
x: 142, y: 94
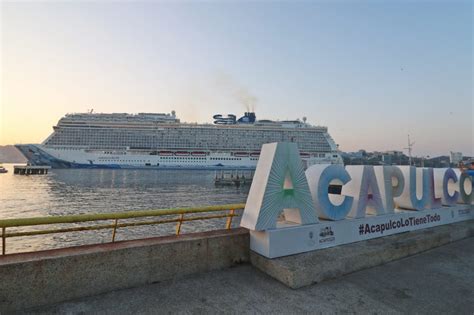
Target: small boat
x: 305, y: 155
x: 3, y: 170
x: 255, y: 154
x: 198, y: 153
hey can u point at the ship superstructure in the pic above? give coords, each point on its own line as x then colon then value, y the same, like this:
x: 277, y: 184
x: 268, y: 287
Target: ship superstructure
x: 122, y: 140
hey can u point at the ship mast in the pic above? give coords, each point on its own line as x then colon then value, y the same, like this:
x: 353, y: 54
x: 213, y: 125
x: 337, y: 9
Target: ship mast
x: 409, y: 148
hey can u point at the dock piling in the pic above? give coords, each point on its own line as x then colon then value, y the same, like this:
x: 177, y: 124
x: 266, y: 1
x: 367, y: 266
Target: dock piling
x: 31, y: 169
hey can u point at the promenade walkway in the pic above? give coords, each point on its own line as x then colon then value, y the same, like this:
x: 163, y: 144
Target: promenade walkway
x: 440, y: 281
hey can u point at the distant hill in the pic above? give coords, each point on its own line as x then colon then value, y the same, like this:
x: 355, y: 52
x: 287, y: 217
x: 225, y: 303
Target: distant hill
x: 10, y: 154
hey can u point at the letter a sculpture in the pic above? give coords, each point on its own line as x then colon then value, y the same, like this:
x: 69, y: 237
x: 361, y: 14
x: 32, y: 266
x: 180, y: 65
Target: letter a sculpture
x: 279, y: 185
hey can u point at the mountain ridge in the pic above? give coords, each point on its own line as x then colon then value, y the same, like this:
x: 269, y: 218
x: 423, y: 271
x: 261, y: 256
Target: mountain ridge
x: 10, y: 154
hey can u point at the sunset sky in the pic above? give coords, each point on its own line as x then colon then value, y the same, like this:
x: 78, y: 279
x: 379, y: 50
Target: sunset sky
x: 372, y: 71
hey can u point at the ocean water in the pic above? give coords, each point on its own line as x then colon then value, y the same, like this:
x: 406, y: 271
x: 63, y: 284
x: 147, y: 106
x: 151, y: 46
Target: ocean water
x: 80, y: 191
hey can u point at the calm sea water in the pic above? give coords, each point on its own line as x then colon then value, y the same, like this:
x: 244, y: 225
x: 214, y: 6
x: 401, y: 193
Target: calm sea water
x: 79, y: 191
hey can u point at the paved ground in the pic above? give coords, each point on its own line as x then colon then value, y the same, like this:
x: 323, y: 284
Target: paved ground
x: 439, y: 281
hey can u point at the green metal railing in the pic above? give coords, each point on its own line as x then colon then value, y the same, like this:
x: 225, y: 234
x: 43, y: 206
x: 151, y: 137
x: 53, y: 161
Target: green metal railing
x: 181, y: 215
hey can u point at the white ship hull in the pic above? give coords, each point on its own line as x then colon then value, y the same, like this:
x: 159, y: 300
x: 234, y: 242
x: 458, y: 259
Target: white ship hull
x: 82, y: 158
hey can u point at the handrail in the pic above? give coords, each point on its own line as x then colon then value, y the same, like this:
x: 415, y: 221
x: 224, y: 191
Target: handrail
x: 78, y: 218
x: 112, y: 216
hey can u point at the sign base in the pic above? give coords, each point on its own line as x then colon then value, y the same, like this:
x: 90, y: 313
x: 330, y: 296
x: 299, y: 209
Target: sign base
x: 304, y: 269
x: 289, y: 239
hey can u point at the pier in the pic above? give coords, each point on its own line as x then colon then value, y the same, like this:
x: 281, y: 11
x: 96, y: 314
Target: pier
x: 233, y: 178
x: 31, y: 169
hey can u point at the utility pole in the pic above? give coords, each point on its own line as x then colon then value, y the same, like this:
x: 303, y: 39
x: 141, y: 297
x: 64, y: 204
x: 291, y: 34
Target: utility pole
x: 410, y: 147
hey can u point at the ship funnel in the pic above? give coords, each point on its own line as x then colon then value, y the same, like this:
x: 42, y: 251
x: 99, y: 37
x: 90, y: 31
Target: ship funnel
x: 248, y: 118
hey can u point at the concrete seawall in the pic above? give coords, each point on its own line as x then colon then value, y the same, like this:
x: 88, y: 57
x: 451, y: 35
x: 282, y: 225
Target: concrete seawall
x: 43, y: 278
x: 33, y: 279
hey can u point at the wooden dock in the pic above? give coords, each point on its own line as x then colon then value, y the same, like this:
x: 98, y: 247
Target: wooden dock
x: 31, y: 169
x: 233, y: 178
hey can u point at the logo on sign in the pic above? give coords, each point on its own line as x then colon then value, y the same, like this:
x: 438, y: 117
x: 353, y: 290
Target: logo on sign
x: 311, y: 242
x: 326, y: 235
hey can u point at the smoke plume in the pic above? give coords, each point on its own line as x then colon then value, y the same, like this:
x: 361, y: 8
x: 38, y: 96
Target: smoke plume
x: 238, y: 92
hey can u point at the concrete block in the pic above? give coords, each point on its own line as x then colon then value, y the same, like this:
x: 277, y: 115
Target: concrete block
x: 304, y: 269
x: 33, y: 279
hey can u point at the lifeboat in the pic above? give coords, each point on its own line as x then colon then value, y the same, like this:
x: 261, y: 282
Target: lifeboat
x: 166, y: 153
x: 304, y: 155
x: 255, y: 154
x: 181, y: 153
x: 198, y: 153
x: 241, y: 154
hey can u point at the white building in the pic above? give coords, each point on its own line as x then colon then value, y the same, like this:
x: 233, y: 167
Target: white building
x: 455, y: 157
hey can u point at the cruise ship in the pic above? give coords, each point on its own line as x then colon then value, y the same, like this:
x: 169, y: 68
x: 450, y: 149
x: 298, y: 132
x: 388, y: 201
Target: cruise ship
x: 157, y: 140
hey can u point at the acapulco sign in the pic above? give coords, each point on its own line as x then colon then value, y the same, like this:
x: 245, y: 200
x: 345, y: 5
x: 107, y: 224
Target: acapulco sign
x: 375, y: 201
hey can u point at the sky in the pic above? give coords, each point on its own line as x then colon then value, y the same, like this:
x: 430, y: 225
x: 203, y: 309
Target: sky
x: 372, y: 71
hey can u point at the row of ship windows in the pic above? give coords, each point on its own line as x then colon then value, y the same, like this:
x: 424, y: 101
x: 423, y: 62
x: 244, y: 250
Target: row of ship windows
x: 141, y: 161
x: 171, y: 145
x: 227, y: 159
x: 191, y: 137
x: 236, y: 146
x: 321, y: 155
x: 117, y: 160
x: 187, y: 137
x: 183, y: 140
x: 192, y: 158
x: 187, y: 141
x: 67, y: 148
x: 188, y: 131
x: 181, y: 158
